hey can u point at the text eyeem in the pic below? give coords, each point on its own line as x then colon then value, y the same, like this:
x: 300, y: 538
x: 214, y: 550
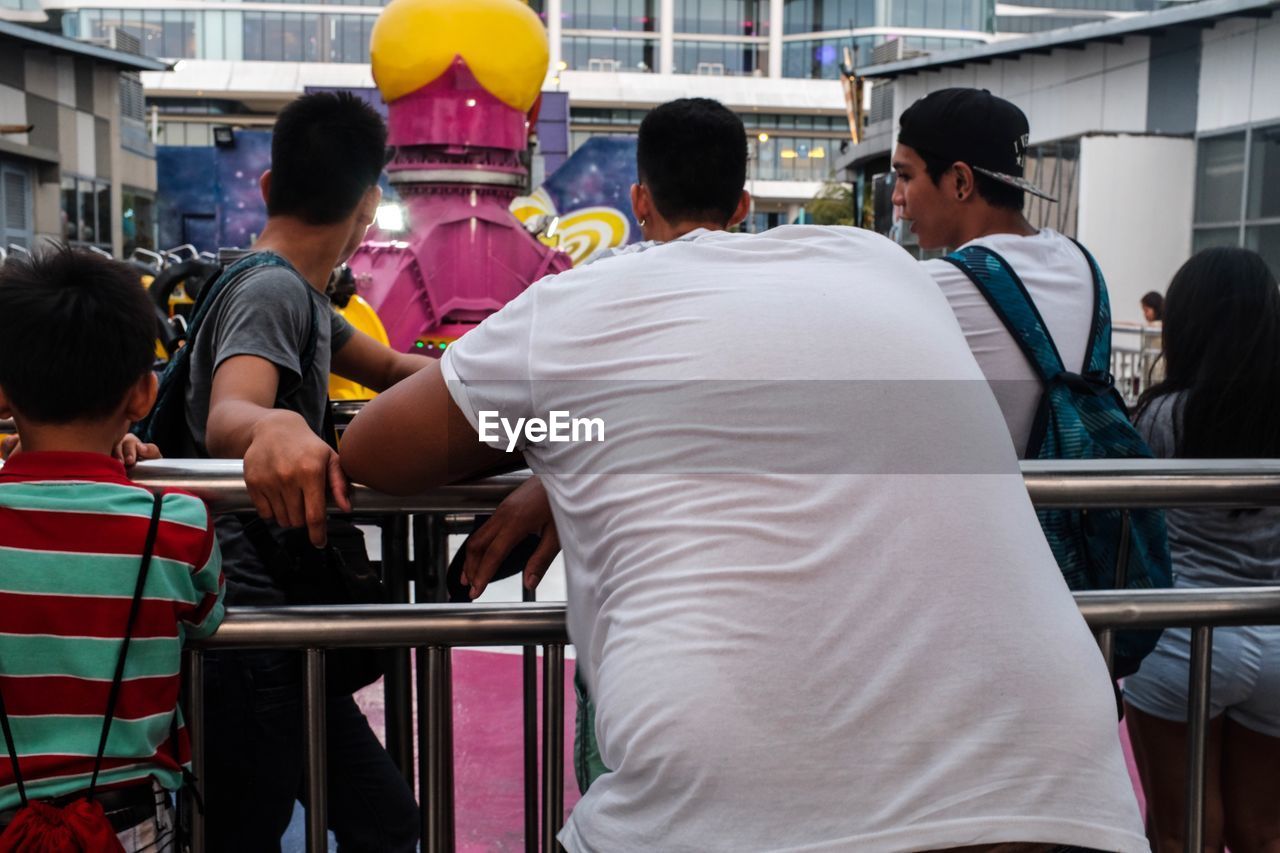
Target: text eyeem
x: 559, y: 426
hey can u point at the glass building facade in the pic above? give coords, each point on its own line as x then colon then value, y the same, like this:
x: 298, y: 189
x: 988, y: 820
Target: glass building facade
x: 708, y: 37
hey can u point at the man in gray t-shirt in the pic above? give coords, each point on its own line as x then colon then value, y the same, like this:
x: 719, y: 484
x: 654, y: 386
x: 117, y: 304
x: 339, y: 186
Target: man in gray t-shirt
x: 257, y: 392
x: 271, y: 313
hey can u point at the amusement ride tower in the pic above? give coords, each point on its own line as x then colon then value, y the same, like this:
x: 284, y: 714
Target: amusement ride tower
x: 461, y: 79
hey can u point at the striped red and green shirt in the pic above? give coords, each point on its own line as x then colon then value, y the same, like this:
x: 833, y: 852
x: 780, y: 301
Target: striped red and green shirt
x: 72, y: 531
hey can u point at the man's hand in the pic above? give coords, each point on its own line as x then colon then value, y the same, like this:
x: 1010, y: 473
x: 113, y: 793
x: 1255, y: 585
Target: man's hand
x: 287, y: 468
x: 525, y: 512
x: 131, y: 450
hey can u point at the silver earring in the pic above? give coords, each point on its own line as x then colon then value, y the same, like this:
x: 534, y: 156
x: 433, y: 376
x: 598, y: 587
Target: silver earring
x: 642, y: 222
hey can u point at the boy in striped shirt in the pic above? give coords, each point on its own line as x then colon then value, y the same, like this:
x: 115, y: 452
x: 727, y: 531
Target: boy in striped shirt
x: 76, y: 342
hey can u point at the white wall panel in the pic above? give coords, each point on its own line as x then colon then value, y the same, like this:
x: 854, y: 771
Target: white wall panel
x: 1136, y: 196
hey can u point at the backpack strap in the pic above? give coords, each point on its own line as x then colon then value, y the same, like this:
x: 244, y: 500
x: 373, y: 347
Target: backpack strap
x: 1008, y: 297
x: 116, y: 680
x: 1098, y: 353
x: 143, y: 569
x: 13, y: 752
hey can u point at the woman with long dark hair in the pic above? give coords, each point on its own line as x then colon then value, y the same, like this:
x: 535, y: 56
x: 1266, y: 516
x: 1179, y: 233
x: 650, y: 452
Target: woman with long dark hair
x: 1220, y: 398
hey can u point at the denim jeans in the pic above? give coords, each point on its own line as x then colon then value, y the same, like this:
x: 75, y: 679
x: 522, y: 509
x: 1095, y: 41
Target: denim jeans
x: 254, y: 762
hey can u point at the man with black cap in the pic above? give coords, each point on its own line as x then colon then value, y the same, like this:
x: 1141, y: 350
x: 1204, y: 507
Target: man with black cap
x: 959, y: 182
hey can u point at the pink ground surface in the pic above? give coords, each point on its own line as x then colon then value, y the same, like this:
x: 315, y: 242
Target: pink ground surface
x: 488, y: 747
x: 488, y: 751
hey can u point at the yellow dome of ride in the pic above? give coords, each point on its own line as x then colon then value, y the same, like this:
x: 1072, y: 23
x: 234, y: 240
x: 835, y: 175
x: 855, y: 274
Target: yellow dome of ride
x: 502, y: 41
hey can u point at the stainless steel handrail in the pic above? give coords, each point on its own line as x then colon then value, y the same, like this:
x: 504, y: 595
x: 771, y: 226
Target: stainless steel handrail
x: 1103, y: 483
x: 439, y: 627
x: 538, y: 624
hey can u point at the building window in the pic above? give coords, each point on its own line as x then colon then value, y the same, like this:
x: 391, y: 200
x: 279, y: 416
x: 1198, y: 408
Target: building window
x: 1238, y: 192
x: 86, y: 212
x: 723, y: 17
x: 813, y: 16
x: 791, y: 158
x: 604, y: 54
x: 820, y: 59
x: 639, y: 15
x: 718, y: 59
x: 15, y: 206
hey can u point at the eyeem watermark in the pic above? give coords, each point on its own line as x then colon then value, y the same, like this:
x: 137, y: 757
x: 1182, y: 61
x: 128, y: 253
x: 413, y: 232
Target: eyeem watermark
x: 559, y: 427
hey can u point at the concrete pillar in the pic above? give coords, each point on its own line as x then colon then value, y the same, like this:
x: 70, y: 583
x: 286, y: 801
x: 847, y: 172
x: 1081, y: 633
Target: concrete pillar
x: 666, y: 42
x: 775, y: 38
x: 555, y: 27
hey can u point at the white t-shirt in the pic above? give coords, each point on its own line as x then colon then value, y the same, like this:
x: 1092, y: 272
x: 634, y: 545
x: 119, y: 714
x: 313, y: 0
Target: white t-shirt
x: 806, y: 585
x: 1057, y: 276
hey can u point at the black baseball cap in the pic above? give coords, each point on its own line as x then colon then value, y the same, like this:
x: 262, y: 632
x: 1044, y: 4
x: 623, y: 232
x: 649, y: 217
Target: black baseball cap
x: 971, y: 126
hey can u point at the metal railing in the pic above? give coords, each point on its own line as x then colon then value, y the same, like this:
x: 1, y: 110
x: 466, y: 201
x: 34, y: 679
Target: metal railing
x: 434, y: 629
x: 1134, y: 352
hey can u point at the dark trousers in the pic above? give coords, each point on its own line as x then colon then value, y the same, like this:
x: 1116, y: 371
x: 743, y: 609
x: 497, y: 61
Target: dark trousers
x: 254, y: 762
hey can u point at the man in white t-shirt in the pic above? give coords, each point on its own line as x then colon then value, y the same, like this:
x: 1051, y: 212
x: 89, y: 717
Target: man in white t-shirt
x: 958, y: 167
x: 806, y: 586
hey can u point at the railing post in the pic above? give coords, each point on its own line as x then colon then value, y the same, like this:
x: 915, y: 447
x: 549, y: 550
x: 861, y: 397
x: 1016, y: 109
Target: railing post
x: 530, y: 696
x: 313, y: 710
x: 195, y: 734
x: 397, y: 686
x: 552, y: 745
x: 435, y: 697
x: 1106, y: 637
x: 1198, y: 731
x: 434, y: 759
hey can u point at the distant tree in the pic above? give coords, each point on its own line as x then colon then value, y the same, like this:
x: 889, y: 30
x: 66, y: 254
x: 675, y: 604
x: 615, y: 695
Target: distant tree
x: 833, y: 205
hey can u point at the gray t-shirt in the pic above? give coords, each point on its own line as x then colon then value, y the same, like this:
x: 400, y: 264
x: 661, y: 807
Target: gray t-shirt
x: 268, y: 312
x: 1210, y: 546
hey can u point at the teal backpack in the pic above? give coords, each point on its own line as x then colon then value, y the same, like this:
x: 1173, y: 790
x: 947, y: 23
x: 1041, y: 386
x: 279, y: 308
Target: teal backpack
x: 166, y: 425
x: 1081, y: 416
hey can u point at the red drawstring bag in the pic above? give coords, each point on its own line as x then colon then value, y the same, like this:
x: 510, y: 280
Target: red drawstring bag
x: 82, y: 825
x: 79, y: 827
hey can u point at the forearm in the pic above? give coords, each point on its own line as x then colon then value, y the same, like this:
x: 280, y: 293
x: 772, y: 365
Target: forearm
x: 374, y: 365
x: 234, y: 424
x: 405, y: 365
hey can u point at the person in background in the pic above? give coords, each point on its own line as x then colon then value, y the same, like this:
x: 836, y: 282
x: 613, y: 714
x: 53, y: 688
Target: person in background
x: 1152, y: 307
x: 959, y: 180
x: 1220, y: 399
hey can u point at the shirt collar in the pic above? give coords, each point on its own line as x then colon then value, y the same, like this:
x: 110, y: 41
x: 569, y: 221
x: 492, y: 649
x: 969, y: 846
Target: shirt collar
x: 63, y: 465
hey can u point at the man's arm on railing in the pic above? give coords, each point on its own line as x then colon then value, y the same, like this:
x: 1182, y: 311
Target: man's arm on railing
x: 414, y: 437
x: 286, y: 466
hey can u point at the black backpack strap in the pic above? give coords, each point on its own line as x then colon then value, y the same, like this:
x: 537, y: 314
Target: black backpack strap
x: 135, y: 606
x: 13, y: 751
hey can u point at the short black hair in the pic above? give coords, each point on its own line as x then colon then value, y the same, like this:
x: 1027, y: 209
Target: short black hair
x: 692, y: 156
x: 995, y: 193
x: 327, y: 150
x: 77, y: 330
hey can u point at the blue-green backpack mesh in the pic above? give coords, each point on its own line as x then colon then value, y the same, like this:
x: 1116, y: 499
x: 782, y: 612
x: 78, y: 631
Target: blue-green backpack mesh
x: 1081, y: 416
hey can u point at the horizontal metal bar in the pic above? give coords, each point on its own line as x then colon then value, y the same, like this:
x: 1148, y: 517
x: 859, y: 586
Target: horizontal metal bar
x: 1097, y: 483
x: 1153, y: 482
x: 1186, y: 608
x: 543, y: 624
x: 220, y: 483
x: 389, y: 625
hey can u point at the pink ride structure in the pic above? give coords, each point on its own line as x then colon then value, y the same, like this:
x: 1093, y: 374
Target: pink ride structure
x: 457, y: 168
